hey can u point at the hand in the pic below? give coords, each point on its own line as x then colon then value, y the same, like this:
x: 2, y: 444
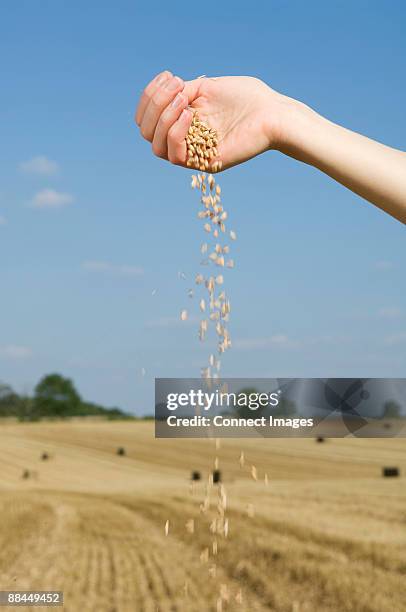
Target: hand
x: 250, y: 118
x: 245, y: 112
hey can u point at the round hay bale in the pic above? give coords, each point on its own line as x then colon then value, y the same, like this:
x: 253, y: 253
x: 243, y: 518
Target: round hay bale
x: 196, y: 475
x: 121, y: 451
x: 216, y: 476
x: 390, y: 472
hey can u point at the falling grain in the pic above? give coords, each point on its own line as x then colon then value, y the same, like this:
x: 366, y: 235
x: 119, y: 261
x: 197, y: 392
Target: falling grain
x: 203, y: 148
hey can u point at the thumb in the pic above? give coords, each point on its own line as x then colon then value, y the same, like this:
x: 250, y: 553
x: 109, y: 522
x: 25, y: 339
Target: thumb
x: 192, y: 89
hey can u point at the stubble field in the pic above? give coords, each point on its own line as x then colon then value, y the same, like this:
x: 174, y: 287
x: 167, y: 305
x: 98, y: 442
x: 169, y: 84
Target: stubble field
x: 326, y: 533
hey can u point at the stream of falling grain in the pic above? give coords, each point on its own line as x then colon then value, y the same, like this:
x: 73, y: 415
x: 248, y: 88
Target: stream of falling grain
x: 201, y: 142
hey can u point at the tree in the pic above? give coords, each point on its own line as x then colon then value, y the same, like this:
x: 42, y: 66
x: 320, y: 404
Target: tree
x: 392, y: 410
x: 26, y: 409
x: 56, y: 396
x: 242, y: 408
x: 5, y: 391
x: 9, y: 401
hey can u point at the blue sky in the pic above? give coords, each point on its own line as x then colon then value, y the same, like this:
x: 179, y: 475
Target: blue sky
x: 91, y: 223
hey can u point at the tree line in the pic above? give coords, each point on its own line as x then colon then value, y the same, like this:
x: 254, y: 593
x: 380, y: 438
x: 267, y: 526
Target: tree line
x: 54, y: 397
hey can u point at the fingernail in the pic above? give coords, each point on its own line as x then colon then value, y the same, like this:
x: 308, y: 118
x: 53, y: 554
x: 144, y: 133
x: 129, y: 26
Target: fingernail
x: 162, y: 78
x: 177, y: 101
x: 173, y: 83
x: 185, y: 115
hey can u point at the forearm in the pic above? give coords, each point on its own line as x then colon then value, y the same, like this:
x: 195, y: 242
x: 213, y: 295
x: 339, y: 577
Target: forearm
x: 370, y: 169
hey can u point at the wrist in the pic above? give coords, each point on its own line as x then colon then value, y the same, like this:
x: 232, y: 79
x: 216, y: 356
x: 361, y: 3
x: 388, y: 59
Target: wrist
x: 296, y: 124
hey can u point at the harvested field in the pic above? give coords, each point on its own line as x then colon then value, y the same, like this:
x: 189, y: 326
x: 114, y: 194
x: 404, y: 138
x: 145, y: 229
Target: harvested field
x: 327, y: 532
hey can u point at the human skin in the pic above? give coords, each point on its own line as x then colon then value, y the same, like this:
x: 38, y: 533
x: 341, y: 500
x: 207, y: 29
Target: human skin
x: 251, y: 118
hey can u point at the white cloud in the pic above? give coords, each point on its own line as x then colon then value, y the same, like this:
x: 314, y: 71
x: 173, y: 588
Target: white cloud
x: 40, y: 165
x: 13, y: 351
x: 278, y: 340
x: 3, y: 220
x: 399, y: 338
x: 49, y: 198
x: 390, y: 312
x: 384, y: 265
x: 107, y: 267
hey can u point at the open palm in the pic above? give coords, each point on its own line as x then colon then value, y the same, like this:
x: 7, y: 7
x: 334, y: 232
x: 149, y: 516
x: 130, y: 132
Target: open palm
x: 238, y: 109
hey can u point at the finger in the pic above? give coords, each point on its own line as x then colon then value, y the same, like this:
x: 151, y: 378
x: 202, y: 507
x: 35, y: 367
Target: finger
x: 163, y: 95
x: 192, y: 89
x: 166, y: 121
x: 148, y: 93
x: 176, y: 138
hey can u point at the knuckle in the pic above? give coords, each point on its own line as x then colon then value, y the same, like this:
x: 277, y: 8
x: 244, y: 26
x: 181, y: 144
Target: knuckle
x: 156, y: 84
x: 172, y: 133
x: 146, y: 97
x: 166, y: 118
x: 158, y: 150
x: 150, y: 88
x: 160, y: 79
x: 174, y: 157
x: 171, y: 154
x: 145, y: 133
x: 159, y: 99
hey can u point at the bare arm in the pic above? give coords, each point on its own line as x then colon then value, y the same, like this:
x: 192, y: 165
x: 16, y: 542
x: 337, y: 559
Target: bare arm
x: 251, y: 118
x: 370, y: 169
